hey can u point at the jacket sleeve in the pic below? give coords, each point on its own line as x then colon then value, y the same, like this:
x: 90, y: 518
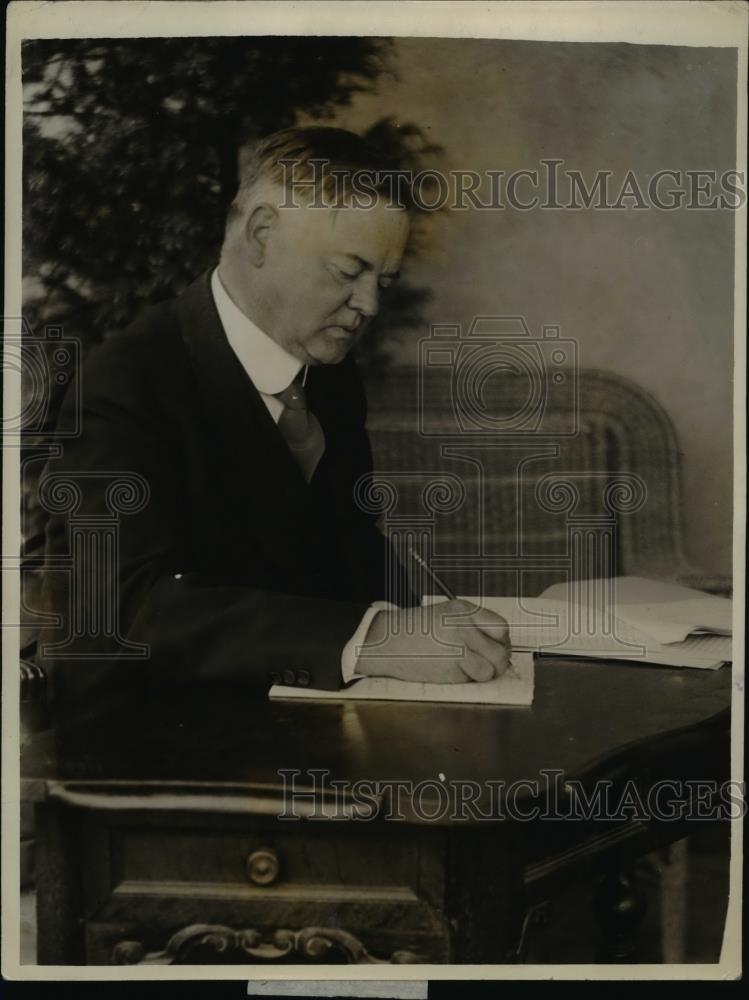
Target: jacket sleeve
x: 129, y: 608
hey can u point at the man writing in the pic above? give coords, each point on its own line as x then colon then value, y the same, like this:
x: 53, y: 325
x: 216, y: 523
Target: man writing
x: 240, y: 408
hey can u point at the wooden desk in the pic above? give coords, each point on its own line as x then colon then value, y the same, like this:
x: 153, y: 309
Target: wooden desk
x: 159, y: 813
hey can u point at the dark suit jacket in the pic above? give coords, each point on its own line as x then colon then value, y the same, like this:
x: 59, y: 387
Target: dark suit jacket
x: 235, y: 568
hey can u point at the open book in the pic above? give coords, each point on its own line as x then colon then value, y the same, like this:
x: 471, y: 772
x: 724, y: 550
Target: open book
x: 648, y: 622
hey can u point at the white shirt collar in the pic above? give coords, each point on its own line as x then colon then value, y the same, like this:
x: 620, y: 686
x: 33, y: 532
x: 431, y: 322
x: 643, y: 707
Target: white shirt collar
x: 270, y: 367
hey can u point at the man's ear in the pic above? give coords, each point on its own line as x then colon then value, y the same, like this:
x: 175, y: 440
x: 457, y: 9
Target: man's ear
x: 257, y: 231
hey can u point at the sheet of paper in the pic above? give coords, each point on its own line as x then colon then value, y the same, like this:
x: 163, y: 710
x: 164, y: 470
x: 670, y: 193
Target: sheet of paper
x: 664, y: 612
x: 708, y: 648
x: 505, y: 690
x: 673, y: 621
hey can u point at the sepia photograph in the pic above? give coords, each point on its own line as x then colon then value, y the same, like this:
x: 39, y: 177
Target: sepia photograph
x: 374, y: 490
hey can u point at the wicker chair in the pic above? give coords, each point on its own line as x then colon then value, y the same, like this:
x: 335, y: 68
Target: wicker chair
x: 508, y: 534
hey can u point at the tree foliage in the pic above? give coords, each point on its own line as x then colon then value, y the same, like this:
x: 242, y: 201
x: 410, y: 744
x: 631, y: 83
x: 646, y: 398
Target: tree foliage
x: 130, y: 161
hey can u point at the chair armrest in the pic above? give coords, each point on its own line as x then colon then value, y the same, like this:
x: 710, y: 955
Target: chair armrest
x: 33, y: 682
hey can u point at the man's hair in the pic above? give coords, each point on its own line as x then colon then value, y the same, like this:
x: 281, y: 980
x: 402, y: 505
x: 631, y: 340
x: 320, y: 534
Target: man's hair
x: 321, y: 166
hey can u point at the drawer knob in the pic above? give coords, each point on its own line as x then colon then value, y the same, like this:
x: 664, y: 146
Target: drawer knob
x: 263, y: 866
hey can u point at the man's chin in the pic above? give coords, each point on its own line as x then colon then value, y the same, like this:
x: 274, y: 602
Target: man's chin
x: 330, y: 351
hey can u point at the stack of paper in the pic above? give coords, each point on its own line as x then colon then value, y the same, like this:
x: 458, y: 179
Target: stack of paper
x: 691, y: 631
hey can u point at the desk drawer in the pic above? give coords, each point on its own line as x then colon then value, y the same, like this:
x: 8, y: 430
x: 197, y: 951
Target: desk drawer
x: 272, y: 860
x: 253, y: 879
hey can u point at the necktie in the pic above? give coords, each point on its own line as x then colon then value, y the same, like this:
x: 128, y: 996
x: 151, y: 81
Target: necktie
x: 301, y: 429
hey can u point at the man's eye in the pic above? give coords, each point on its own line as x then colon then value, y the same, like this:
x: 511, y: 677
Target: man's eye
x: 385, y: 282
x: 343, y: 272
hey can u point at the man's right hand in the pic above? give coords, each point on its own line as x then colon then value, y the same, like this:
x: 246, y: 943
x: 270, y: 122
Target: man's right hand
x: 452, y: 642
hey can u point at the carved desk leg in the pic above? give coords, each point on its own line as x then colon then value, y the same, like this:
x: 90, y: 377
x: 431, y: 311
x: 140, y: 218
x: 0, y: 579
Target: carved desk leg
x: 673, y: 891
x: 619, y: 907
x: 59, y: 902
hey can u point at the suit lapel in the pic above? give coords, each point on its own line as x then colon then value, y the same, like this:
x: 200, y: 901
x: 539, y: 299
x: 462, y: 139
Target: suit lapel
x: 247, y: 441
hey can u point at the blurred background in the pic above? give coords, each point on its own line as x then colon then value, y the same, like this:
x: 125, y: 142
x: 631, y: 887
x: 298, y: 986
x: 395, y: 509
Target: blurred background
x: 130, y: 160
x: 131, y: 150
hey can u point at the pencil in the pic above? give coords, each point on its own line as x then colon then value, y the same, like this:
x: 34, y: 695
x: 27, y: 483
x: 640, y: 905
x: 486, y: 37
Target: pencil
x: 439, y: 584
x: 445, y: 590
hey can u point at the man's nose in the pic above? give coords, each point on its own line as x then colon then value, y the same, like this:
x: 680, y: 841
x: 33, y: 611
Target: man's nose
x: 365, y: 297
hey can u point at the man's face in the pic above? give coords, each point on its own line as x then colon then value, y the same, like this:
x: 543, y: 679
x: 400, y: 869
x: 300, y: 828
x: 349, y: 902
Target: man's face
x: 323, y: 274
